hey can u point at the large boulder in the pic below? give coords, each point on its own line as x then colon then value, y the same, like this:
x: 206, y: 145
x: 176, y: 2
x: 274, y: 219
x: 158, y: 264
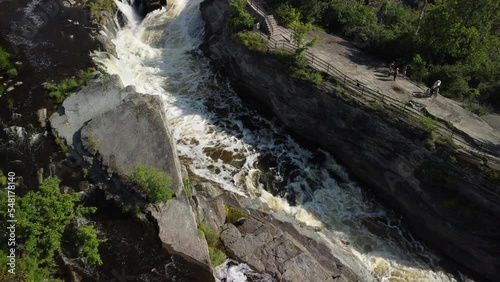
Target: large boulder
x: 268, y: 249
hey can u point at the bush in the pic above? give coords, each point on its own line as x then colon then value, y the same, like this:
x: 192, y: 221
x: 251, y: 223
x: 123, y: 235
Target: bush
x: 211, y: 236
x: 287, y: 15
x: 417, y: 69
x: 217, y: 257
x: 98, y: 8
x: 155, y: 183
x: 60, y: 142
x: 61, y: 91
x: 88, y: 244
x: 240, y: 19
x: 252, y: 41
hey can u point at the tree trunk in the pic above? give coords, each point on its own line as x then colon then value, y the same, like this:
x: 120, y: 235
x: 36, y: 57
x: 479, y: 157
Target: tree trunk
x: 421, y: 17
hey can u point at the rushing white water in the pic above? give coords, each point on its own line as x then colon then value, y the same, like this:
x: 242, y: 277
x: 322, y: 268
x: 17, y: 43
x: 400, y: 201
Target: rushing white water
x: 222, y: 141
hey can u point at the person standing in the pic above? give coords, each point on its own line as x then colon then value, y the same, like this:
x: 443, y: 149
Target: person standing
x: 396, y: 72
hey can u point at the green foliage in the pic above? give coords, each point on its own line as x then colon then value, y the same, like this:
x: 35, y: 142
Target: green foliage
x: 85, y: 173
x: 6, y: 66
x: 92, y: 141
x: 98, y: 8
x: 240, y: 18
x: 458, y: 41
x: 417, y: 68
x: 60, y: 91
x: 287, y: 15
x: 187, y: 187
x: 211, y: 236
x: 475, y: 107
x: 155, y: 183
x: 60, y: 142
x: 233, y: 214
x: 3, y: 180
x: 251, y: 40
x: 88, y: 244
x: 42, y: 217
x: 217, y: 257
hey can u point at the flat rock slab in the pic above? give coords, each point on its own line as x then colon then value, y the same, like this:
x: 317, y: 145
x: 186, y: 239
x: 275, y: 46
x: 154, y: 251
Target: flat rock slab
x: 267, y: 249
x: 91, y: 101
x: 178, y: 231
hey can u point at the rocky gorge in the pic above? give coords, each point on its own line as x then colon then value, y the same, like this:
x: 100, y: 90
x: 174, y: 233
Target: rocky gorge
x: 446, y: 199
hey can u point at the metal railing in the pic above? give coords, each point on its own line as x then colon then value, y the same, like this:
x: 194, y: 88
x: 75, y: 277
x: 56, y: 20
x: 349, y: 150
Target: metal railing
x: 487, y: 151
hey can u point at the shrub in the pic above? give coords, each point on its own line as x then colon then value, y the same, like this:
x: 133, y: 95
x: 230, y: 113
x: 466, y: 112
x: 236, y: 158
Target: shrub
x: 217, y: 257
x: 12, y: 72
x: 155, y: 183
x: 251, y: 40
x: 187, y: 187
x: 61, y: 91
x: 3, y: 179
x: 475, y: 107
x: 240, y: 19
x: 98, y: 8
x: 287, y: 15
x: 233, y: 214
x: 417, y: 69
x: 88, y: 244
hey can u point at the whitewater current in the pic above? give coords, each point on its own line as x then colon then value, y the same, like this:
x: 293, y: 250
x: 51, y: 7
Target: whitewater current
x: 222, y: 141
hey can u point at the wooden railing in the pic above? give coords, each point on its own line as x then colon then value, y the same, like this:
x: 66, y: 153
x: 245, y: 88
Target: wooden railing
x: 488, y: 151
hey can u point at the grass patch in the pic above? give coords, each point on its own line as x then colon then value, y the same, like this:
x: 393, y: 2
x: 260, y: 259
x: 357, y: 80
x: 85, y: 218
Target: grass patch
x: 61, y: 91
x: 92, y: 141
x: 217, y: 257
x: 85, y: 173
x: 251, y: 40
x: 211, y: 236
x: 60, y: 142
x: 155, y: 183
x: 187, y: 187
x: 233, y: 214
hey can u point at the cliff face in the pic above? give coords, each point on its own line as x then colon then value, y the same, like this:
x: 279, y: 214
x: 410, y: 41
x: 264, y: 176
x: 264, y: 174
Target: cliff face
x: 446, y: 199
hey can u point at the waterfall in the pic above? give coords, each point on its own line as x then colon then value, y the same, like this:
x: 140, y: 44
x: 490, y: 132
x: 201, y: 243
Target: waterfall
x: 222, y: 141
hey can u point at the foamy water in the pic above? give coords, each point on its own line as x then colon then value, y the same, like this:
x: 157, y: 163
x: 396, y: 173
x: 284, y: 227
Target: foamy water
x: 222, y: 141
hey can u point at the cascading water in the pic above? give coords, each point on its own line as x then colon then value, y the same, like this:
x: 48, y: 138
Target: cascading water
x: 222, y: 141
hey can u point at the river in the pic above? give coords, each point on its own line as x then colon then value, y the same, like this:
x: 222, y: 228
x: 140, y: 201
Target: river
x: 224, y: 141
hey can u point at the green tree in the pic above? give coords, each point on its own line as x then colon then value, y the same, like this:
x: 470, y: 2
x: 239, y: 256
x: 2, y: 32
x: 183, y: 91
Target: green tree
x: 88, y: 244
x: 240, y: 19
x: 42, y: 217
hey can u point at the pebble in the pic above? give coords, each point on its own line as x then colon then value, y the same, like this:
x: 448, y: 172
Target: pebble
x: 10, y: 89
x: 76, y: 23
x: 19, y: 83
x: 18, y: 63
x: 71, y: 36
x: 70, y: 21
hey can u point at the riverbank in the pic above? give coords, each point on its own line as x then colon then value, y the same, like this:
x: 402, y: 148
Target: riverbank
x: 388, y: 152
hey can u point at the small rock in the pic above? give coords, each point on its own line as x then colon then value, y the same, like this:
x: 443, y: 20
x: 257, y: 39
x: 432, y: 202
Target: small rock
x: 70, y: 21
x: 18, y: 83
x: 10, y: 89
x: 71, y: 36
x: 18, y: 63
x: 42, y: 116
x: 76, y: 23
x: 16, y: 132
